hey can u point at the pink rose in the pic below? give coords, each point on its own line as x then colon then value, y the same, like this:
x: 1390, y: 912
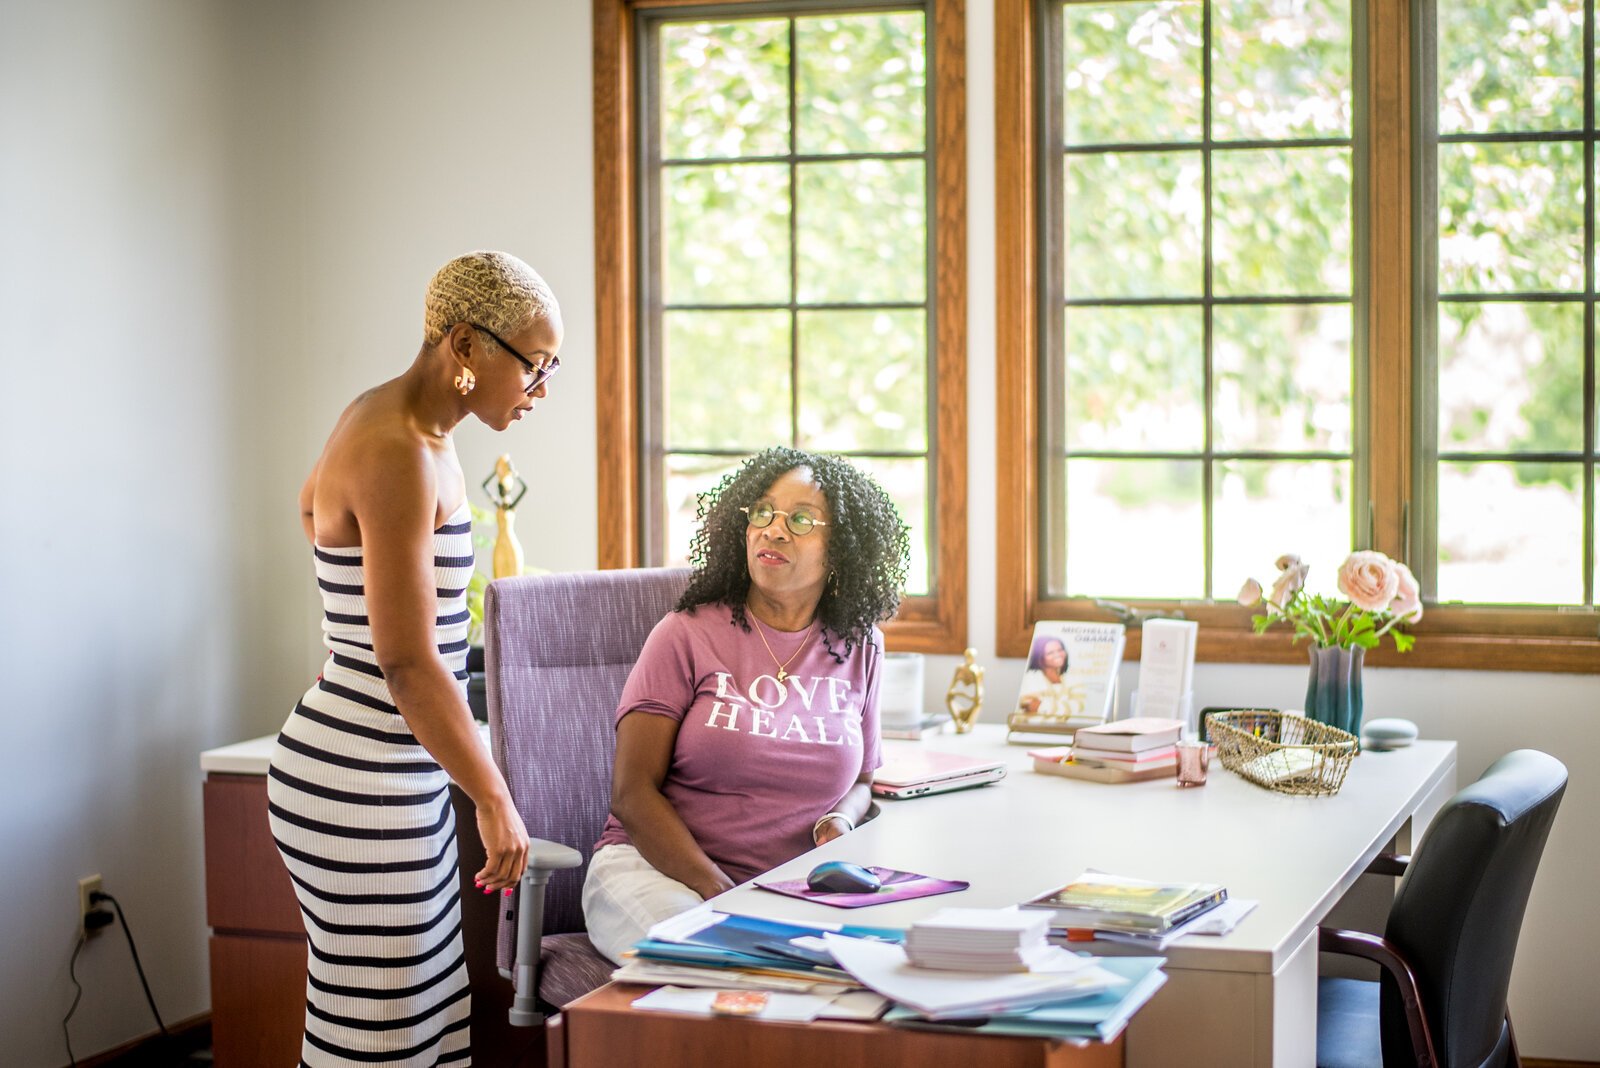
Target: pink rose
x: 1370, y: 579
x: 1250, y: 592
x: 1407, y: 603
x: 1291, y: 579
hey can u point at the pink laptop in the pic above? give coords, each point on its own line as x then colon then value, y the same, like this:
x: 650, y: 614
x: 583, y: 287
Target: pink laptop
x: 917, y: 774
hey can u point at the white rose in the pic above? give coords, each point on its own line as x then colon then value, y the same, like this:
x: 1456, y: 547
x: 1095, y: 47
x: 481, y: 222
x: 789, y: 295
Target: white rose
x: 1370, y: 579
x: 1290, y: 580
x: 1250, y: 593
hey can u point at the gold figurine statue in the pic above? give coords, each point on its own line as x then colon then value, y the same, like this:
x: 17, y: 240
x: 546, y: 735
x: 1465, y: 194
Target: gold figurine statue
x: 506, y: 489
x: 965, y: 697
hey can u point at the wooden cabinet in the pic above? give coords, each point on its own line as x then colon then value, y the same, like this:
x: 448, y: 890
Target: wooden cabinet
x: 258, y: 944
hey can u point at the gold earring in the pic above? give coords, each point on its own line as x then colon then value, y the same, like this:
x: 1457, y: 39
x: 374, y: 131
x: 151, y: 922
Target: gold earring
x: 465, y: 381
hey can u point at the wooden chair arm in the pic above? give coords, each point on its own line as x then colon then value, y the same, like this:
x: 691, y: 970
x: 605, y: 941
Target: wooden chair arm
x: 1389, y: 864
x: 1381, y: 953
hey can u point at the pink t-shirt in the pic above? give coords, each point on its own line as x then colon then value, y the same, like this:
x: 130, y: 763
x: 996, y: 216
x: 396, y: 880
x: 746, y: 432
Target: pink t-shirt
x: 756, y: 761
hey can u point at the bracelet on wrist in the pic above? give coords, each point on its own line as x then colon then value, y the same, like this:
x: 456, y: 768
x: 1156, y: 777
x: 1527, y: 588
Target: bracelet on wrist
x: 816, y: 828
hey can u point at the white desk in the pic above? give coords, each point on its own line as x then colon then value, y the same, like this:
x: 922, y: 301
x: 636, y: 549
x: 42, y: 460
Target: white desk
x: 1248, y: 998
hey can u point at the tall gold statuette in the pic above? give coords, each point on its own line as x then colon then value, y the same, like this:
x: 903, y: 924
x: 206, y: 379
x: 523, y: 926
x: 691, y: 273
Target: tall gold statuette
x: 506, y: 489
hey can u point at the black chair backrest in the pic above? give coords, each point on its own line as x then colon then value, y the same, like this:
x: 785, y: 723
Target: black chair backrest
x: 1459, y: 908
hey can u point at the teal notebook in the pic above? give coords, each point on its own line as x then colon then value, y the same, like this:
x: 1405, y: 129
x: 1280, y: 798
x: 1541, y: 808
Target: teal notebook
x: 1100, y: 1016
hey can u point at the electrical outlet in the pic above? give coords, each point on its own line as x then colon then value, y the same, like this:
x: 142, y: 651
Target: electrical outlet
x: 87, y: 885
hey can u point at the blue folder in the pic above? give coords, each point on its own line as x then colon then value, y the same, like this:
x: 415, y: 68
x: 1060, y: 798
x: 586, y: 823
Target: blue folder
x: 748, y: 942
x: 1100, y: 1016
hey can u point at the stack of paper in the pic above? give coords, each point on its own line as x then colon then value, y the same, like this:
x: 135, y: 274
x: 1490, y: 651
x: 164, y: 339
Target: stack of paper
x: 883, y: 967
x: 980, y: 940
x: 783, y: 1007
x: 1099, y: 1016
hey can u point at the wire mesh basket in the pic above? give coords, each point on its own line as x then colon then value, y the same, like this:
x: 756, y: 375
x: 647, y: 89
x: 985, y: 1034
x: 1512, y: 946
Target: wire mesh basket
x: 1289, y: 754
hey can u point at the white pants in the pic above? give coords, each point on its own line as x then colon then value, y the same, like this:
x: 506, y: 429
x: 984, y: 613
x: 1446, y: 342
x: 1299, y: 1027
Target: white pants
x: 623, y: 897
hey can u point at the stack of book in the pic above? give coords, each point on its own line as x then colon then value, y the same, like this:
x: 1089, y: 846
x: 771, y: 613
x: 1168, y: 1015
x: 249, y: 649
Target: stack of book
x: 1128, y: 750
x: 1100, y: 902
x: 980, y: 940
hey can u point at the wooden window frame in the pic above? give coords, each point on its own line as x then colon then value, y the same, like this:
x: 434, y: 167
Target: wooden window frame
x: 936, y: 623
x: 1450, y: 636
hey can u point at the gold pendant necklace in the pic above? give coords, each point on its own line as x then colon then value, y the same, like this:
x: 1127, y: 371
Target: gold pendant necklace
x: 783, y: 672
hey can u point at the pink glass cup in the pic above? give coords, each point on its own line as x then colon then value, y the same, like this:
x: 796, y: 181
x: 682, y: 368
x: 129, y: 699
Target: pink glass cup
x: 1194, y: 758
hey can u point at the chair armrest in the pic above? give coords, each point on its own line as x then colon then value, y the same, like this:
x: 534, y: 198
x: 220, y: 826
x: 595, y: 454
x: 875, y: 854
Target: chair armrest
x: 1389, y: 864
x: 544, y: 857
x: 1382, y: 953
x: 552, y: 856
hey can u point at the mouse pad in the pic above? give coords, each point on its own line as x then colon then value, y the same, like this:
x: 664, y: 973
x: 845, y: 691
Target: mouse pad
x: 897, y: 886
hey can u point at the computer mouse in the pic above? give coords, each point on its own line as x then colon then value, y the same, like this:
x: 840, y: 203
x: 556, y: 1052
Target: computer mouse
x: 842, y: 877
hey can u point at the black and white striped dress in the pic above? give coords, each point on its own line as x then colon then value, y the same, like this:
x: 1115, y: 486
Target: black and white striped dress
x: 361, y: 813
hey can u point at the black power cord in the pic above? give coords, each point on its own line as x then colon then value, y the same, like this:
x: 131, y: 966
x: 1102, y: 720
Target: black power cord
x: 95, y: 899
x: 93, y: 920
x: 72, y: 972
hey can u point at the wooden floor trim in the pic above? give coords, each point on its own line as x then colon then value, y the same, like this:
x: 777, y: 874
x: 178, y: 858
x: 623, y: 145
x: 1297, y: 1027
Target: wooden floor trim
x: 183, y: 1037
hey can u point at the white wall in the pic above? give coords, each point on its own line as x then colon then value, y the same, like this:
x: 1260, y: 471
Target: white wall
x: 296, y: 194
x: 121, y: 478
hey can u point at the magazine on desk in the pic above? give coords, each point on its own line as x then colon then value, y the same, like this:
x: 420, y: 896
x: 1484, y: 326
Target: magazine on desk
x: 1071, y: 680
x: 1111, y: 902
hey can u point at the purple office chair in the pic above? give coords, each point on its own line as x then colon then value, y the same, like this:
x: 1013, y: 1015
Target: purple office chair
x: 558, y: 649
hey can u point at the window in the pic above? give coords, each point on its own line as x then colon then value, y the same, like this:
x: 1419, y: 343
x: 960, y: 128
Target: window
x: 1259, y: 296
x: 786, y: 232
x: 1511, y: 344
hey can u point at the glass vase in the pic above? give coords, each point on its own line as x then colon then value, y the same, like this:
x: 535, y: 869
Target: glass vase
x: 1333, y: 691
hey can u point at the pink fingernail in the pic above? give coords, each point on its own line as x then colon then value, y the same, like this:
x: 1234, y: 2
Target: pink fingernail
x: 506, y: 891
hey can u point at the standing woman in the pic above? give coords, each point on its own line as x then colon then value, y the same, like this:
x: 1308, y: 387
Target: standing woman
x: 358, y: 789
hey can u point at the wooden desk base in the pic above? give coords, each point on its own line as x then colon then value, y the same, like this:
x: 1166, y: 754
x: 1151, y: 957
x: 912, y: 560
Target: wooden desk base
x: 602, y: 1030
x: 258, y: 944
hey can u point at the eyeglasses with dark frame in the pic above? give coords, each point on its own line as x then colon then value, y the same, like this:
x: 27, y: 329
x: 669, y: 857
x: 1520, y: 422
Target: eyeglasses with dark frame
x: 541, y: 372
x: 799, y: 522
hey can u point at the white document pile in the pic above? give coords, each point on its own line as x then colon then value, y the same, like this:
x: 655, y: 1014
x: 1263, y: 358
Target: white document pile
x: 884, y: 967
x: 981, y: 940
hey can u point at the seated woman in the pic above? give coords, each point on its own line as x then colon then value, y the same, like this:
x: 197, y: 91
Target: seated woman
x: 747, y: 732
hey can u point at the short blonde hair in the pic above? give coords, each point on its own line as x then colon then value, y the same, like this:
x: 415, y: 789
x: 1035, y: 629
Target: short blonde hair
x: 493, y: 290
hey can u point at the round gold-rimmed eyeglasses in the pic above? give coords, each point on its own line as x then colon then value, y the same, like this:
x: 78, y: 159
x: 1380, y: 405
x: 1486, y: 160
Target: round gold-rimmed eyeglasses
x: 799, y: 522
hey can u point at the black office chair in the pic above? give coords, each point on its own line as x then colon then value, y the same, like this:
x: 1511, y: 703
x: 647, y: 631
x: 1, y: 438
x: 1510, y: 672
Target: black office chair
x: 1447, y: 948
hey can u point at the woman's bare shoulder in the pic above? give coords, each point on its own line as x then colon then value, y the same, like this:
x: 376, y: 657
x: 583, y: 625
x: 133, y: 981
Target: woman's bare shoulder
x: 375, y: 429
x: 373, y: 450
